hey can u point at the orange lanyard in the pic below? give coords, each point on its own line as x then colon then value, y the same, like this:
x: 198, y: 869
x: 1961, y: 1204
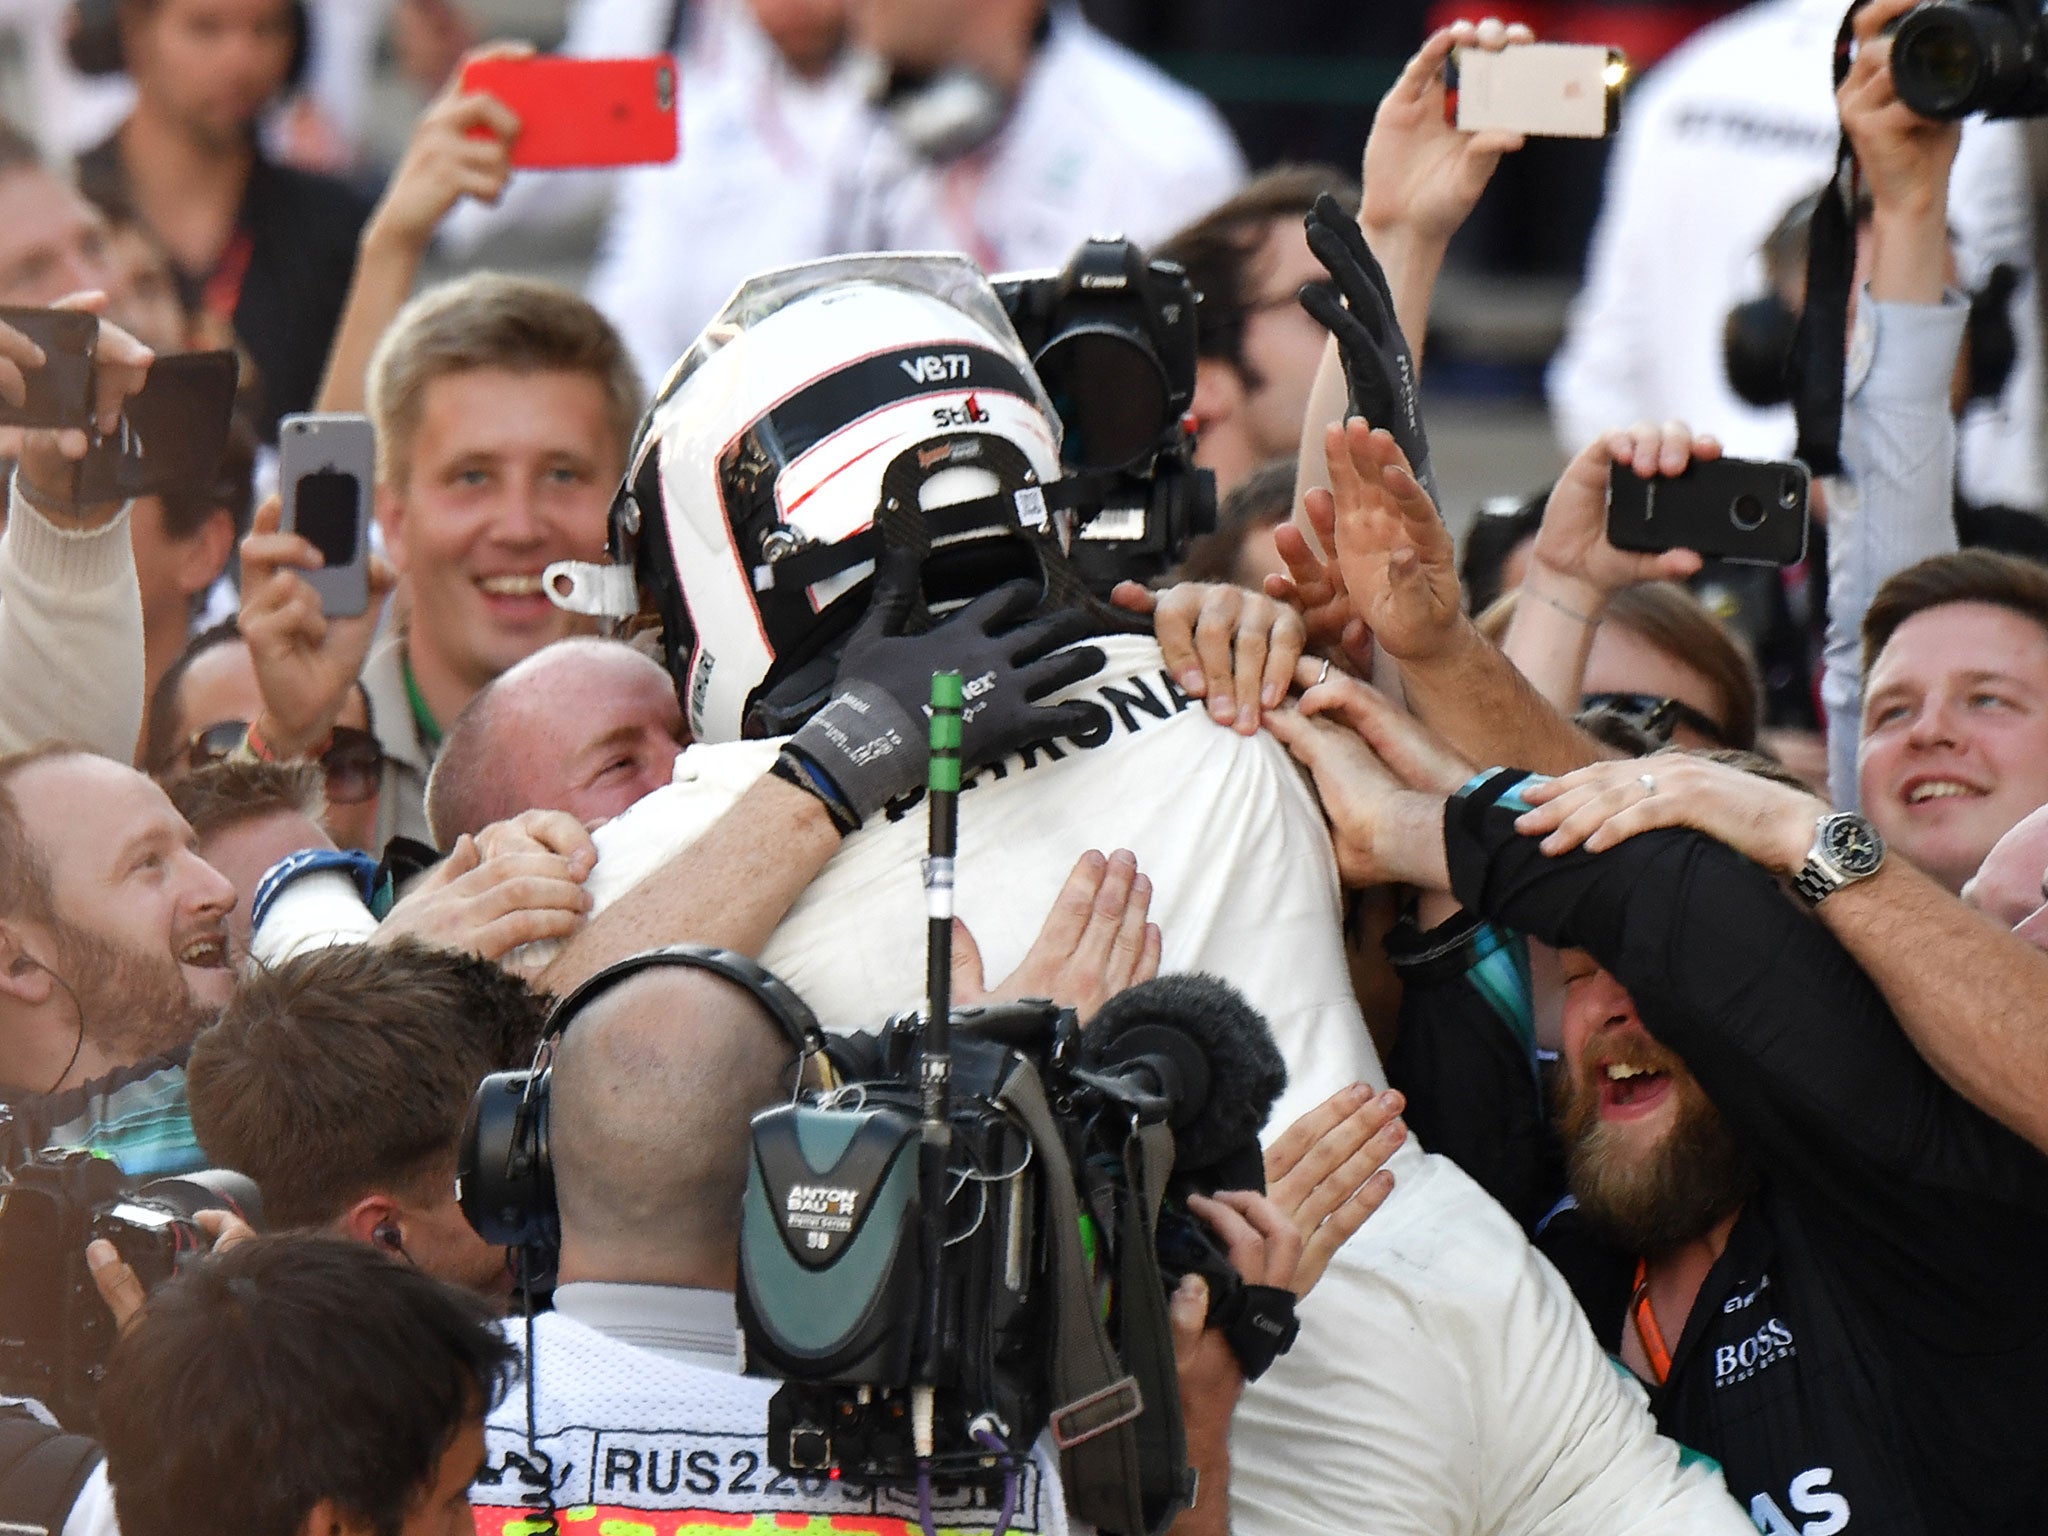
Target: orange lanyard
x: 1648, y: 1334
x: 222, y: 295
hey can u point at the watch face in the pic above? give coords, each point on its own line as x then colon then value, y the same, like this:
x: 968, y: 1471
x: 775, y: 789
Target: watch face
x: 1852, y: 845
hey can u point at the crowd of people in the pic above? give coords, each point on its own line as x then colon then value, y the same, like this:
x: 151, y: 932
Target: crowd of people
x: 1653, y: 942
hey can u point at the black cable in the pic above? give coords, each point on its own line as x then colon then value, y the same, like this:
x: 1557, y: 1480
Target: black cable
x: 78, y: 1043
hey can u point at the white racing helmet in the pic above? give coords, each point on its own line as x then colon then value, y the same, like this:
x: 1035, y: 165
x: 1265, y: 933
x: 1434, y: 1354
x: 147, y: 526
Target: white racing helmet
x: 830, y: 411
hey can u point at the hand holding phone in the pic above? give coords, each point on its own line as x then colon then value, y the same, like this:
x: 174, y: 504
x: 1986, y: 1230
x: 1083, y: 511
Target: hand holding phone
x: 113, y: 367
x: 1545, y: 90
x: 327, y: 471
x: 172, y: 434
x: 583, y: 112
x: 307, y: 664
x: 46, y: 367
x: 1745, y: 510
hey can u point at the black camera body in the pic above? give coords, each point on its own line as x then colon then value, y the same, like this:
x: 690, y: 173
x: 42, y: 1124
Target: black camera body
x: 1031, y: 1295
x: 1112, y: 337
x: 1955, y: 58
x: 55, y: 1332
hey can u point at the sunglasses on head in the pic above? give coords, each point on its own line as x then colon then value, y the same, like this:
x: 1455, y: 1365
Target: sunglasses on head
x: 1659, y: 717
x: 353, y: 762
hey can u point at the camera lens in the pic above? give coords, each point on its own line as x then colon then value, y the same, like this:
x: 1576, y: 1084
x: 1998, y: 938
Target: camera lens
x: 1949, y: 61
x: 1746, y: 512
x: 1788, y: 493
x: 1111, y: 395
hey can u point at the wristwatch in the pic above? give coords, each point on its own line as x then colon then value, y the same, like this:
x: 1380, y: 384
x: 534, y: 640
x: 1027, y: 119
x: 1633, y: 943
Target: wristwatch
x: 1846, y: 848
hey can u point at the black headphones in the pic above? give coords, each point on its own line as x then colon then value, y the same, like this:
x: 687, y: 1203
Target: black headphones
x: 505, y: 1174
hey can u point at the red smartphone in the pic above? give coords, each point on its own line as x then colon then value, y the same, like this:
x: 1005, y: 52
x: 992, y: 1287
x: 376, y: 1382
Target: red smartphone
x: 584, y: 112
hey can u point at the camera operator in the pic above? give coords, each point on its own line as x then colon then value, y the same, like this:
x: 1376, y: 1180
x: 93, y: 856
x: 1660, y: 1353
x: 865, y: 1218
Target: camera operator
x: 638, y: 1404
x: 296, y: 1385
x: 1259, y: 350
x: 1833, y: 1254
x: 55, y: 1481
x: 1725, y: 134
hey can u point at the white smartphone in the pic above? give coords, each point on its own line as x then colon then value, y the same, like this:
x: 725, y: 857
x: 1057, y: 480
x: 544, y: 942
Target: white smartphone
x: 327, y: 473
x: 1546, y: 90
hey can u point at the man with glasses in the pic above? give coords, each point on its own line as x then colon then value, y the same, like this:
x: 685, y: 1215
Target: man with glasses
x: 1257, y: 348
x: 201, y: 715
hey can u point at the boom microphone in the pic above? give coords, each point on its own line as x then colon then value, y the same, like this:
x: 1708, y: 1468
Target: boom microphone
x: 1194, y: 1041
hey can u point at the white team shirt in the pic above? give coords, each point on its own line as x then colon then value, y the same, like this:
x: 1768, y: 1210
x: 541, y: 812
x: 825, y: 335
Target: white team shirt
x: 1098, y: 142
x: 637, y: 1441
x: 1716, y: 144
x: 1445, y: 1381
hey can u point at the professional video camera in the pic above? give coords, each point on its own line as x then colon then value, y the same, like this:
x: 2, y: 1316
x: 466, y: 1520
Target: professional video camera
x: 55, y: 1331
x: 967, y: 1235
x: 1112, y: 337
x: 1952, y: 58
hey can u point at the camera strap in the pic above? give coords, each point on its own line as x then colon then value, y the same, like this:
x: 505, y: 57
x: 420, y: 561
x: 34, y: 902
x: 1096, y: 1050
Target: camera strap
x: 1097, y: 1403
x: 1122, y: 1458
x: 42, y: 1469
x: 1820, y: 348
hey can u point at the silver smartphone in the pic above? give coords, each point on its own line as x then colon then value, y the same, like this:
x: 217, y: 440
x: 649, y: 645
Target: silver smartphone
x: 1547, y: 90
x: 327, y: 474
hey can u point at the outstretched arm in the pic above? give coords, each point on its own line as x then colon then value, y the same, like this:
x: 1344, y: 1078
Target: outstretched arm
x: 461, y: 148
x: 1422, y: 178
x: 1970, y: 994
x: 1399, y: 565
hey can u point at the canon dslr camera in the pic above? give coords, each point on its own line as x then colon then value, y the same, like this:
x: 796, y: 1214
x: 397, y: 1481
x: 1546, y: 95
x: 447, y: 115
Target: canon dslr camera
x: 1112, y: 337
x: 1953, y: 58
x: 55, y: 1331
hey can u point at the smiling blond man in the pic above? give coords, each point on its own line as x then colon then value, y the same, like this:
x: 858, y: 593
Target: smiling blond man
x: 503, y: 409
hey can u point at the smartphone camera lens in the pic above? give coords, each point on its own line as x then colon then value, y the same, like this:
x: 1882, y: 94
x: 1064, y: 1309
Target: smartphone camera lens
x: 1788, y: 494
x: 1746, y: 512
x: 665, y: 88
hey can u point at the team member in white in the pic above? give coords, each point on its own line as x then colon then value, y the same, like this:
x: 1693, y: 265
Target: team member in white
x: 1444, y: 1381
x: 1716, y: 144
x: 1027, y: 131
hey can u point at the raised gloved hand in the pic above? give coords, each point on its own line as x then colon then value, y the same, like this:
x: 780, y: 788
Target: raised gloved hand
x: 1378, y: 366
x: 869, y: 744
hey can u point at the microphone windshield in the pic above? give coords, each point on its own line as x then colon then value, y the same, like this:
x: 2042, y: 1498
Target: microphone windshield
x: 1220, y: 1063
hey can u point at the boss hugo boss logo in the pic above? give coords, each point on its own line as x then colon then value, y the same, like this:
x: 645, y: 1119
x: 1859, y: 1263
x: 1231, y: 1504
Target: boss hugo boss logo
x: 1762, y: 1349
x: 938, y: 367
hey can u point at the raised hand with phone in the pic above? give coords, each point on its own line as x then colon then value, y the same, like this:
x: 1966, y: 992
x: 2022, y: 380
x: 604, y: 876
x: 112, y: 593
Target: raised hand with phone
x: 306, y: 661
x: 102, y: 368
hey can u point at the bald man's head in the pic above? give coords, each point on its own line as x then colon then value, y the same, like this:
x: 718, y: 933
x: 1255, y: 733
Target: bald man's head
x: 584, y: 726
x: 654, y: 1085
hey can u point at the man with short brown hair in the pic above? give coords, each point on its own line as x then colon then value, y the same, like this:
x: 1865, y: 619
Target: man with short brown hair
x: 1954, y: 751
x: 339, y: 1080
x: 503, y: 407
x: 1258, y: 349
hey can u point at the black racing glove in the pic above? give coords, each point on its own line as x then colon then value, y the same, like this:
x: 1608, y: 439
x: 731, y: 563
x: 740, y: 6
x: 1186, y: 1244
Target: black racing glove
x: 1378, y: 366
x: 869, y: 744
